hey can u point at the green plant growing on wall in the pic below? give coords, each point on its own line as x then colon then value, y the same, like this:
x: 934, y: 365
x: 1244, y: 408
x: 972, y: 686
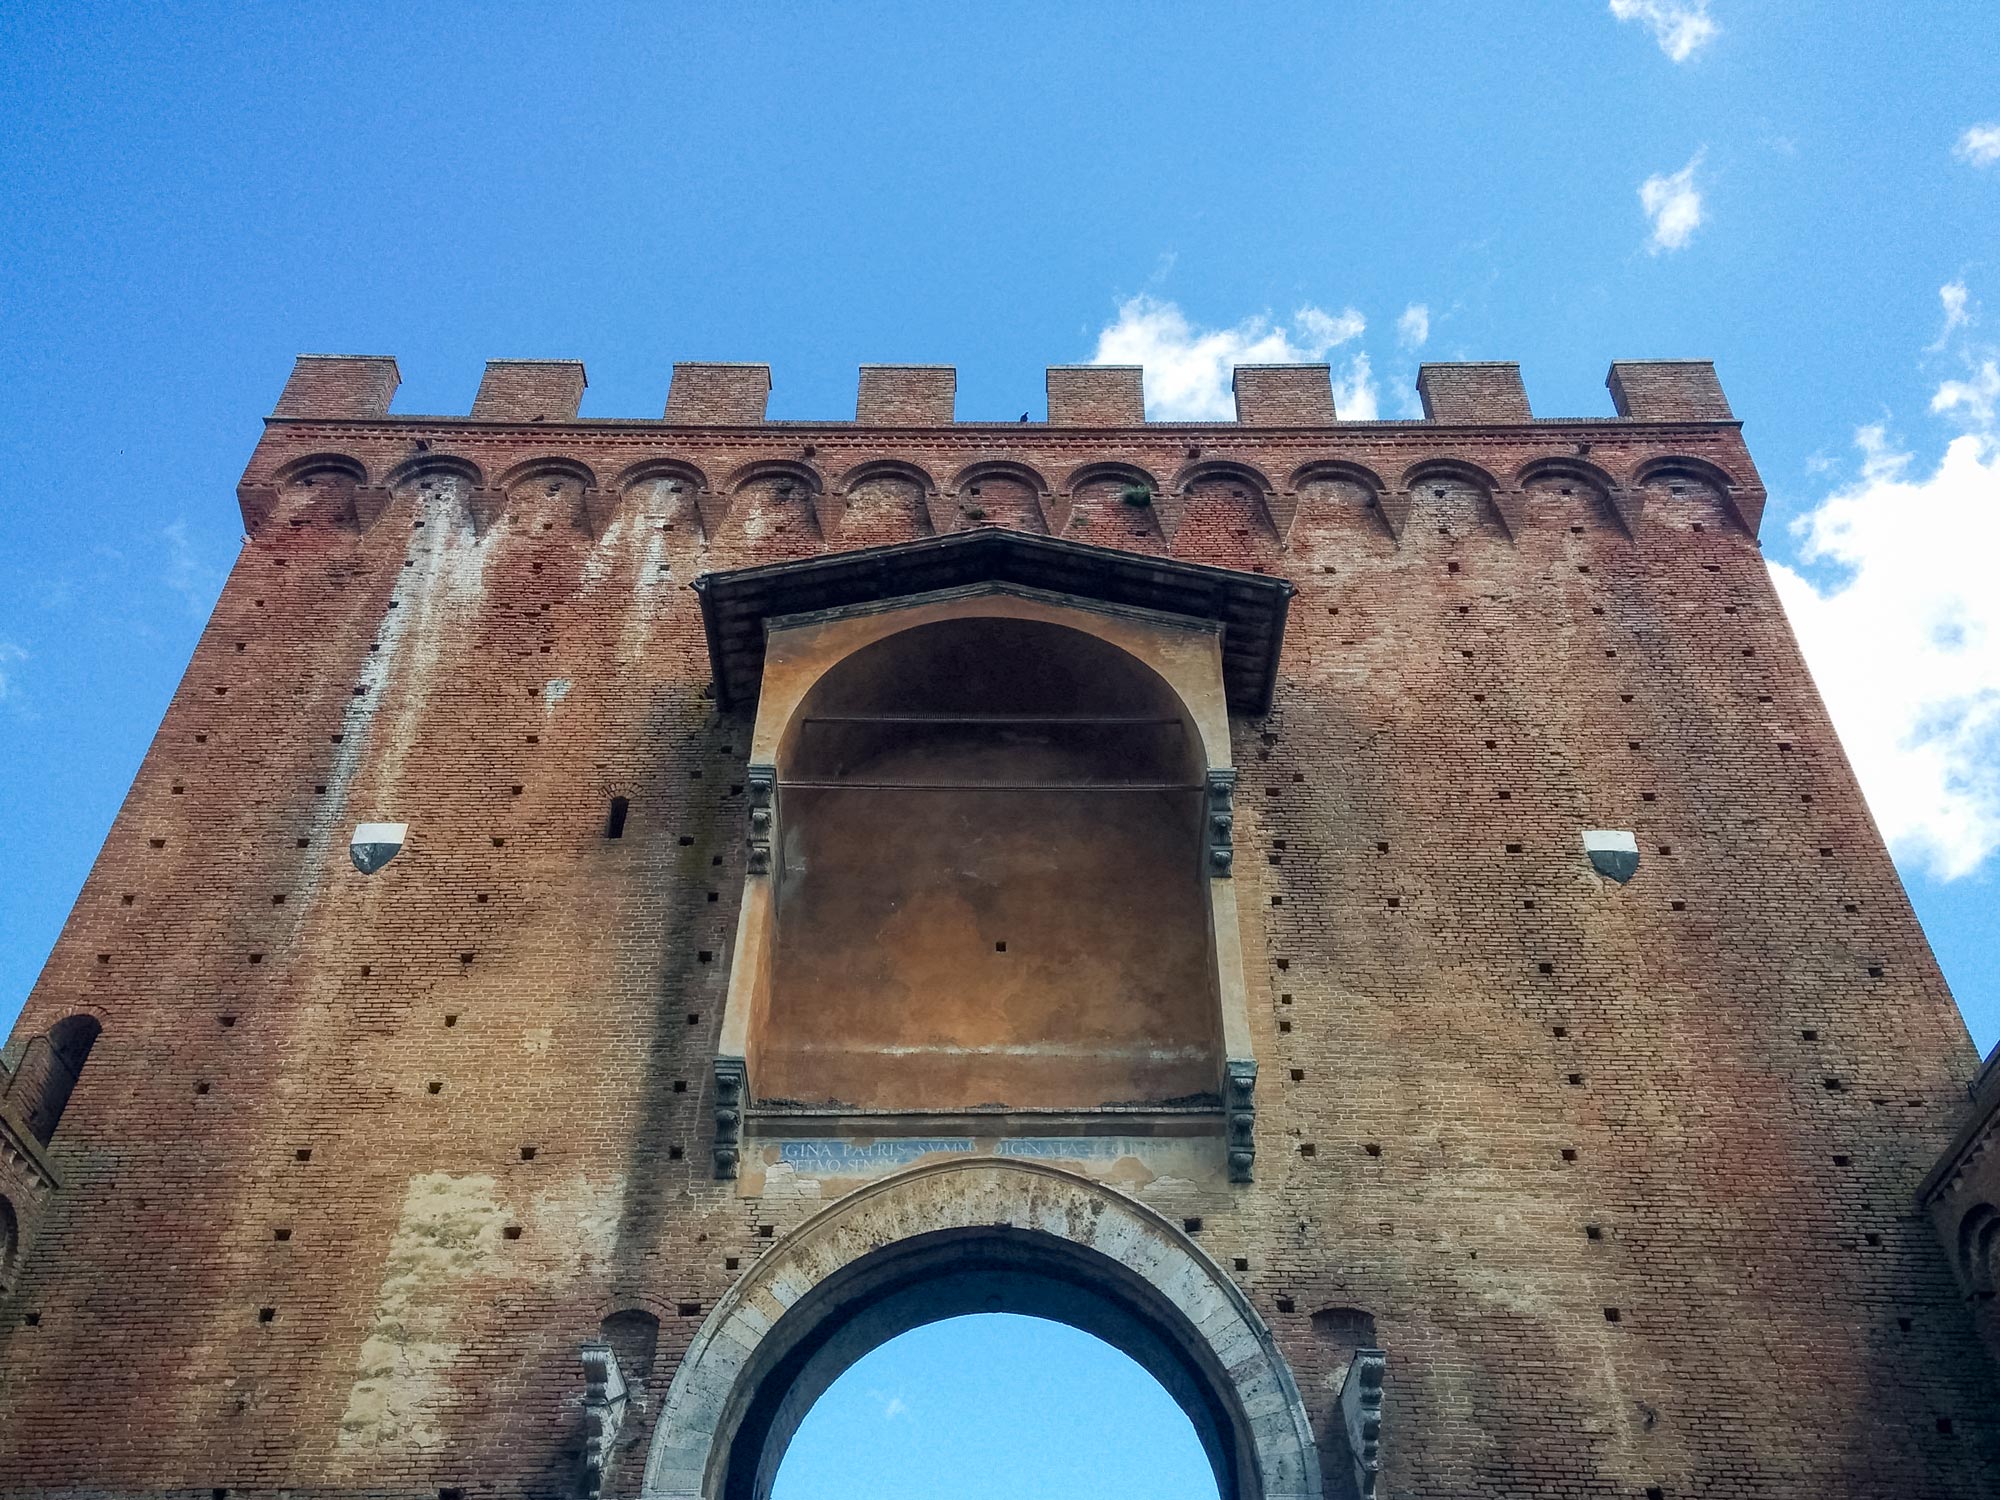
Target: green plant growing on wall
x: 1138, y: 496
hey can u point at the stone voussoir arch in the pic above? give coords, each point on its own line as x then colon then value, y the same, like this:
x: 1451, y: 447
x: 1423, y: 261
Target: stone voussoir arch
x: 960, y: 1236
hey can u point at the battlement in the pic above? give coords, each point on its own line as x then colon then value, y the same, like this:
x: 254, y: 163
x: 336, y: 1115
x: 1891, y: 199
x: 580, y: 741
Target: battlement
x: 359, y: 388
x: 1672, y: 437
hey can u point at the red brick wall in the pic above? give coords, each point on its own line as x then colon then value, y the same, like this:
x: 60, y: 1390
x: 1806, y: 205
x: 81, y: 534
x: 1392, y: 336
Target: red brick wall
x: 906, y: 395
x: 1284, y: 395
x: 530, y: 390
x: 718, y: 395
x: 339, y: 385
x: 1096, y: 396
x: 1473, y: 393
x: 1665, y: 390
x: 1737, y: 1068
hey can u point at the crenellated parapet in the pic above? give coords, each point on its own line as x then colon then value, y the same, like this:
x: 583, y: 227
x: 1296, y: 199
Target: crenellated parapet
x: 1096, y: 470
x: 358, y: 388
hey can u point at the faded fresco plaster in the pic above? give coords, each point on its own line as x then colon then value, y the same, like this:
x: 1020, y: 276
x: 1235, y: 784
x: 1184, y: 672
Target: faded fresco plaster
x: 451, y: 1243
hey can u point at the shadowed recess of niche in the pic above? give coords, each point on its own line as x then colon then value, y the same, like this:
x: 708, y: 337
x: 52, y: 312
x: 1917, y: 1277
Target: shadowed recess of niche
x: 990, y: 887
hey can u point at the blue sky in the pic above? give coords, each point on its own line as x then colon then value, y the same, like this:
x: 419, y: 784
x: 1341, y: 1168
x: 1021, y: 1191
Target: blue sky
x: 995, y: 1407
x: 1807, y: 194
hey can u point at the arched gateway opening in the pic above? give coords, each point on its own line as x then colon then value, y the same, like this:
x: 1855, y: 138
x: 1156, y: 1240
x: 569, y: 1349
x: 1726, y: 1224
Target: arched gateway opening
x: 995, y: 1406
x: 977, y: 1236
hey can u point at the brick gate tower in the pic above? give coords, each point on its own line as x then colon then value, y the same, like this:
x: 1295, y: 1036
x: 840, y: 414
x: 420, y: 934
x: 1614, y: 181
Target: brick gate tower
x: 623, y: 917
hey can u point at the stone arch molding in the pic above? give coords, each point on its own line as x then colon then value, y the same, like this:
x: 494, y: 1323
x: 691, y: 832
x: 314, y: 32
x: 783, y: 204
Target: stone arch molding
x: 959, y: 1237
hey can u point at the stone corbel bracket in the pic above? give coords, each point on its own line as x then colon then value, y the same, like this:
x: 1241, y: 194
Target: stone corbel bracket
x: 604, y: 1400
x: 1242, y: 1118
x: 22, y: 1160
x: 732, y: 1078
x: 1221, y: 823
x: 762, y: 784
x: 1361, y: 1417
x: 25, y: 1157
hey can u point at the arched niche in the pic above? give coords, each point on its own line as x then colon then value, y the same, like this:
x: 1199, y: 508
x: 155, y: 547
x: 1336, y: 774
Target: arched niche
x: 977, y: 1235
x: 317, y: 488
x: 1450, y: 500
x: 1220, y: 512
x: 1102, y: 504
x: 670, y: 498
x: 1334, y: 509
x: 998, y: 493
x: 547, y: 497
x: 1562, y: 495
x: 884, y: 500
x: 440, y: 489
x: 942, y: 731
x: 50, y: 1067
x: 989, y: 871
x: 1687, y: 495
x: 774, y: 509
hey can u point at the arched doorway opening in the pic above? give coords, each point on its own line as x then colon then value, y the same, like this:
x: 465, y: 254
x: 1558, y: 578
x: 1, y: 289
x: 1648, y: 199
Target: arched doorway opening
x: 992, y: 1406
x: 968, y: 1237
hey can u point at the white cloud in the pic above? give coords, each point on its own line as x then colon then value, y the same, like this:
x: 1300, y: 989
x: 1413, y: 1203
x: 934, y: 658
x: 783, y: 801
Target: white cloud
x: 1188, y: 368
x: 1354, y: 396
x: 1413, y: 329
x: 9, y: 654
x: 1905, y: 645
x: 1957, y: 303
x: 1681, y: 27
x: 1980, y: 145
x: 1673, y: 204
x: 893, y: 1406
x: 1322, y: 331
x: 1975, y: 401
x: 185, y: 574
